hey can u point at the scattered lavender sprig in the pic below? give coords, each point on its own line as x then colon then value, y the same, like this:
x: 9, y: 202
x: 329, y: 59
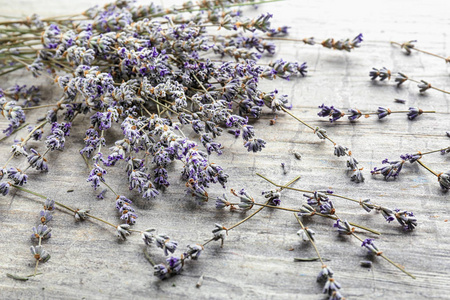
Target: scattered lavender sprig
x: 330, y: 43
x: 335, y: 114
x: 401, y: 78
x: 331, y: 286
x: 393, y: 168
x: 339, y: 150
x: 408, y: 46
x: 320, y: 199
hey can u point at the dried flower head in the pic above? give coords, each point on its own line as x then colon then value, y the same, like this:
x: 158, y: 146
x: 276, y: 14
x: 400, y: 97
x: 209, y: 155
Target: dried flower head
x: 39, y: 253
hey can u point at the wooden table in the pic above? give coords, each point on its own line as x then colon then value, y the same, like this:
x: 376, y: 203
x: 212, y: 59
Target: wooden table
x: 257, y: 260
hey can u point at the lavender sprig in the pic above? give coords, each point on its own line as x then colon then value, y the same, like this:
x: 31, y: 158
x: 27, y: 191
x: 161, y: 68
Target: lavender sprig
x: 400, y: 78
x: 408, y: 46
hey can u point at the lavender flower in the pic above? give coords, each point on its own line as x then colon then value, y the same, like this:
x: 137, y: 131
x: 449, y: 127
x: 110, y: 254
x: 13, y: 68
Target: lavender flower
x: 148, y: 236
x: 369, y: 244
x: 325, y: 273
x: 81, y: 214
x: 343, y: 227
x: 123, y: 231
x: 18, y: 176
x: 444, y: 180
x: 408, y: 46
x: 366, y: 205
x: 36, y: 160
x: 423, y: 86
x: 340, y: 150
x: 4, y: 188
x: 175, y: 264
x: 357, y: 176
x: 194, y: 251
x: 383, y: 112
x: 388, y: 214
x: 321, y: 133
x: 354, y: 114
x: 39, y: 253
x: 163, y: 241
x: 316, y: 198
x: 41, y: 232
x: 161, y: 271
x: 400, y: 78
x: 49, y: 204
x: 306, y: 234
x: 219, y: 233
x: 46, y: 216
x: 414, y: 112
x: 406, y: 219
x: 331, y: 287
x: 383, y: 73
x: 222, y: 202
x: 392, y: 169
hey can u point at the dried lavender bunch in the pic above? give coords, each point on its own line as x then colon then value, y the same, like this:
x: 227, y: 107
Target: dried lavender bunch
x: 408, y: 46
x: 145, y: 69
x: 335, y: 114
x: 400, y: 78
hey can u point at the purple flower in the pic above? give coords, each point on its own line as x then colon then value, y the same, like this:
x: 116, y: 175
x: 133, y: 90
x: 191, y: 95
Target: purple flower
x: 4, y: 188
x: 163, y: 241
x: 41, y: 232
x: 383, y: 112
x: 406, y: 219
x: 392, y: 169
x: 368, y: 243
x: 161, y: 271
x: 96, y: 176
x: 343, y: 227
x: 37, y: 161
x: 18, y: 176
x: 325, y: 273
x: 414, y: 112
x: 255, y: 145
x: 354, y: 114
x: 325, y: 110
x: 194, y: 251
x: 46, y: 216
x: 39, y: 253
x: 400, y: 78
x: 331, y: 287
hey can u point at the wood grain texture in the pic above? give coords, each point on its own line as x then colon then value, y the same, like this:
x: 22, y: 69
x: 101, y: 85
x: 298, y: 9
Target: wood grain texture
x: 257, y: 259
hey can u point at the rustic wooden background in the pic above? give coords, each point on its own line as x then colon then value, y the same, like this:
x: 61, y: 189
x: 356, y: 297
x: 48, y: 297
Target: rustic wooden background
x: 257, y: 261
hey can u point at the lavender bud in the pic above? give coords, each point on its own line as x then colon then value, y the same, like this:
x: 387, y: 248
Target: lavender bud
x: 423, y: 86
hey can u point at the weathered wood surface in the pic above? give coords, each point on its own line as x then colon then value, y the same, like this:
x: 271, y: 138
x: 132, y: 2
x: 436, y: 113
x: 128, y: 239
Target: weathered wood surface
x: 257, y: 259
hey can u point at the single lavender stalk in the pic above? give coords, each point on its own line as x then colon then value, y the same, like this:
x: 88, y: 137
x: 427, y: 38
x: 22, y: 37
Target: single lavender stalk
x: 406, y: 220
x: 329, y: 43
x: 393, y: 168
x: 335, y: 114
x: 368, y: 243
x: 331, y: 286
x: 339, y: 150
x: 401, y: 78
x: 408, y: 46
